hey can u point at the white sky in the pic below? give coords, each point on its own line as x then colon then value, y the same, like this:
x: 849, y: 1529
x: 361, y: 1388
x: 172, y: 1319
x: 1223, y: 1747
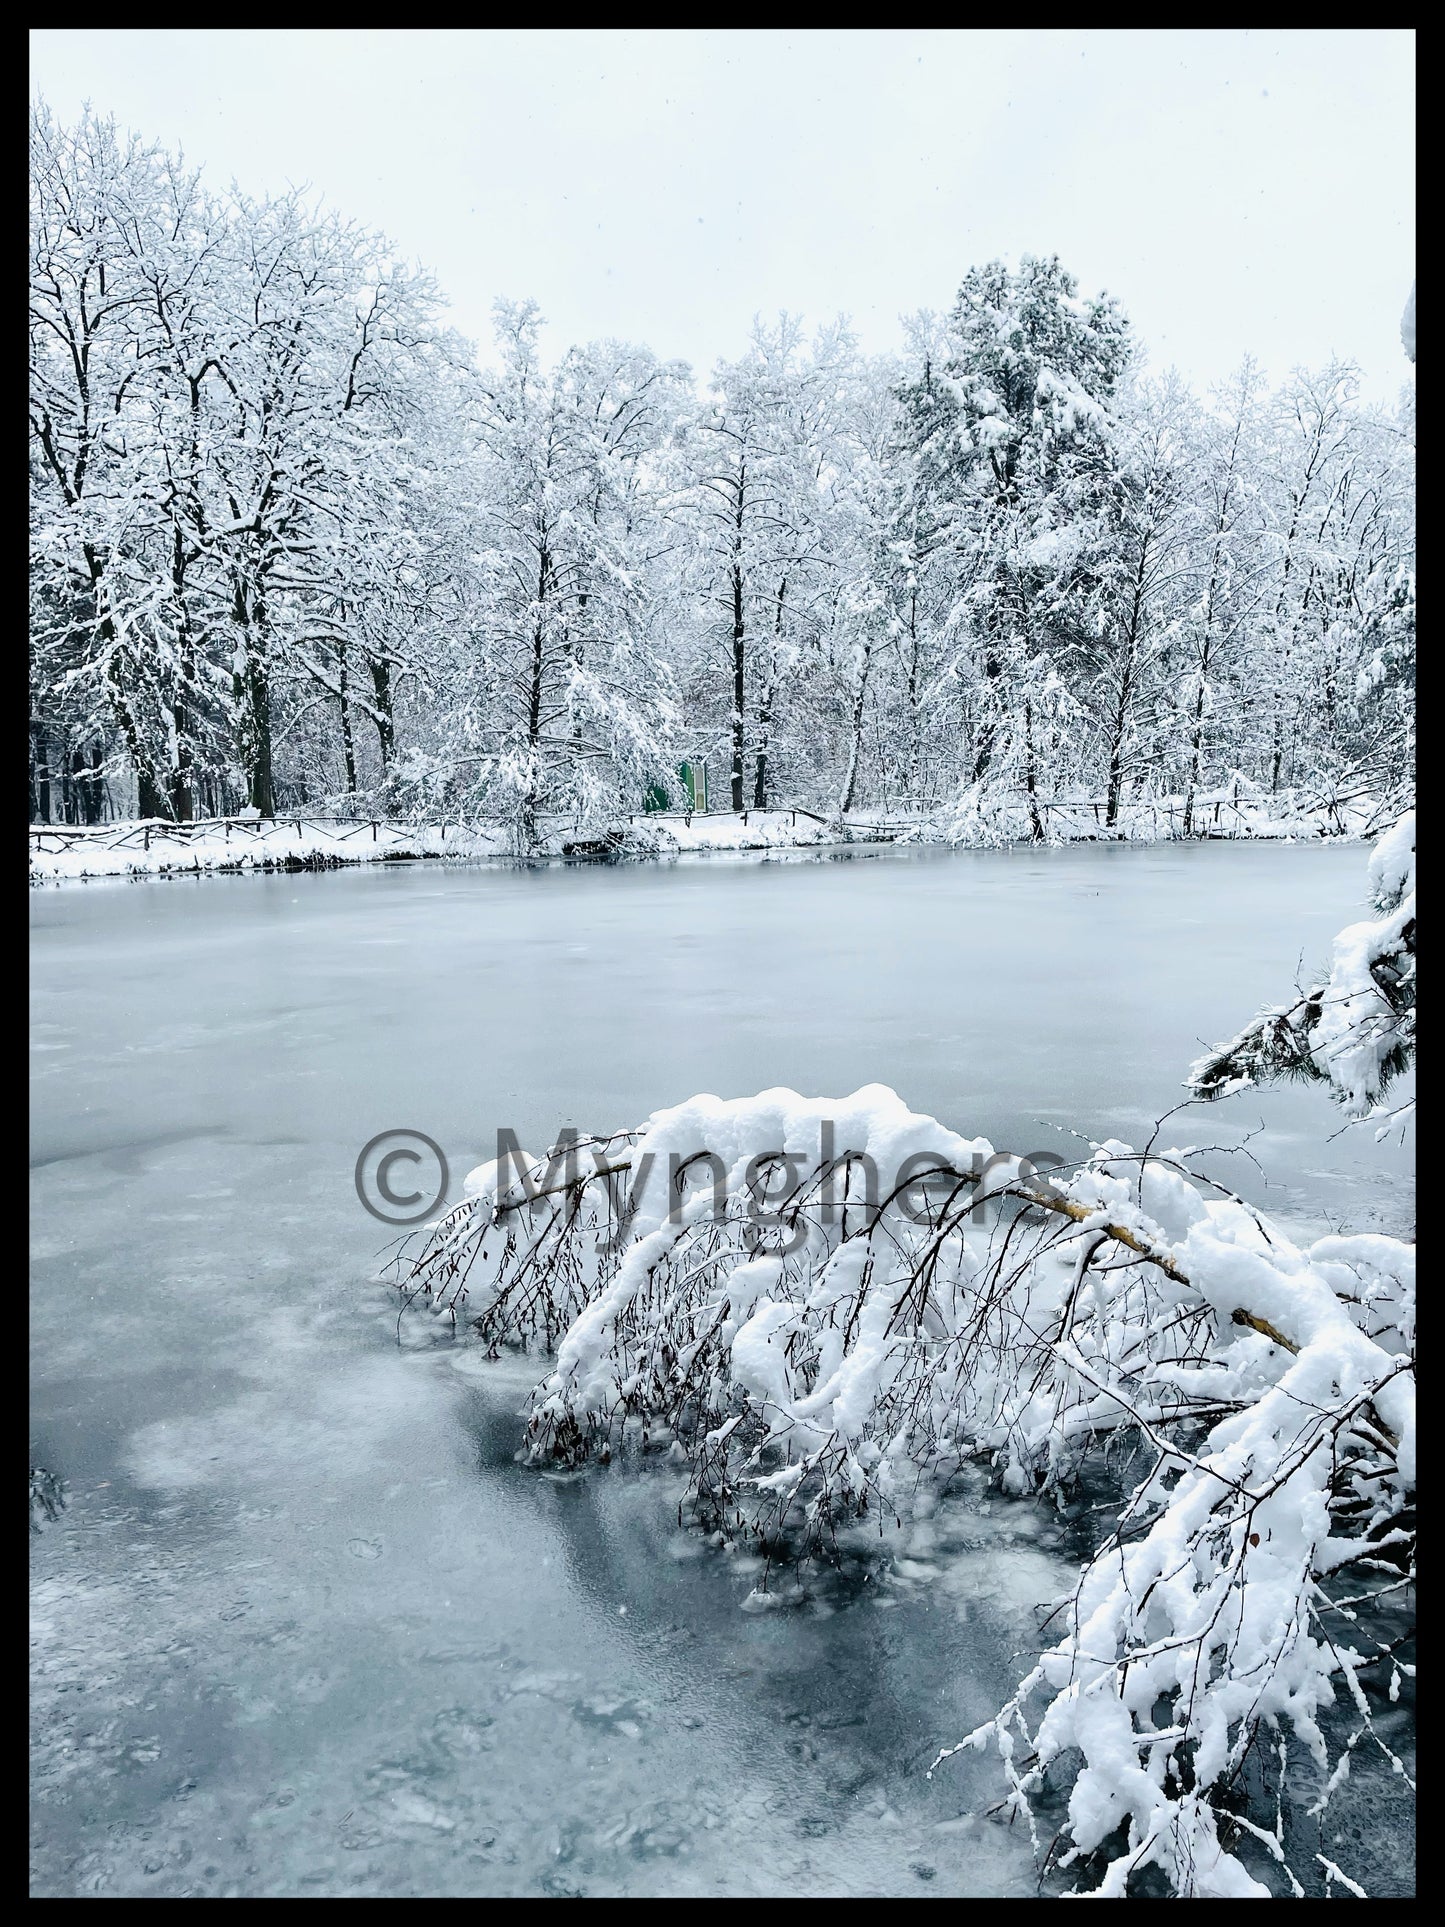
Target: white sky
x: 1237, y: 190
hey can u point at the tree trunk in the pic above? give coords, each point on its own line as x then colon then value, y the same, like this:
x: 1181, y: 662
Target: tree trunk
x: 576, y: 649
x: 1127, y: 671
x: 147, y: 790
x: 739, y: 685
x: 765, y: 709
x: 739, y: 640
x: 343, y: 697
x: 385, y: 715
x: 40, y: 759
x: 532, y: 795
x: 86, y: 802
x: 179, y: 781
x: 1196, y: 743
x: 983, y: 756
x: 148, y: 795
x: 1206, y: 657
x: 765, y: 722
x: 1036, y: 827
x: 912, y: 785
x: 182, y: 800
x: 182, y: 715
x: 855, y: 744
x: 251, y: 683
x: 258, y: 697
x: 1276, y: 759
x: 1116, y: 773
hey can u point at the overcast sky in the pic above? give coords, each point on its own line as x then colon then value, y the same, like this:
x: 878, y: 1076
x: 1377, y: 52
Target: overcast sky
x: 1237, y: 190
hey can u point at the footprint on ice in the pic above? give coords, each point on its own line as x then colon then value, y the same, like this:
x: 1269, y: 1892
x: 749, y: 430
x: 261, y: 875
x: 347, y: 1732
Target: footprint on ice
x: 364, y: 1548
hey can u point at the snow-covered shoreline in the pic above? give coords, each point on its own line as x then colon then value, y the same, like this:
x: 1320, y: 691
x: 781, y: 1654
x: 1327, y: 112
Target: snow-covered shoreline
x: 292, y: 843
x: 61, y: 853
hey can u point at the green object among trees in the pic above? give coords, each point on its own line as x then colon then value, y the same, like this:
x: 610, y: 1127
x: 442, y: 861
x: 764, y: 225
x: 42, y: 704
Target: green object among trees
x: 693, y: 778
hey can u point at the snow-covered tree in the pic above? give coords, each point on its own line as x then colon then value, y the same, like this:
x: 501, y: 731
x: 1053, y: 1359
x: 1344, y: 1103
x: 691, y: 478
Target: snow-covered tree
x: 823, y: 1310
x: 95, y: 201
x: 1354, y: 1028
x: 756, y: 476
x: 1225, y: 584
x: 561, y: 700
x: 292, y: 542
x: 222, y: 401
x: 1015, y: 438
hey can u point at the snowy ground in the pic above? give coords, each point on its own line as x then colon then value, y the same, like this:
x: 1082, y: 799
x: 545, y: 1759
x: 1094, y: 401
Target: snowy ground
x: 59, y: 853
x: 139, y: 849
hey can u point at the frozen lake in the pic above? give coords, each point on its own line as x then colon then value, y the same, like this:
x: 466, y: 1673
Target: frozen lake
x: 304, y: 1626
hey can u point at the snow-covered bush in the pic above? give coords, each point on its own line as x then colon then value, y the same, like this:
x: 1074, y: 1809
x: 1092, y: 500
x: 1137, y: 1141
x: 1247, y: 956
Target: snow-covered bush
x: 1355, y: 1028
x: 823, y: 1309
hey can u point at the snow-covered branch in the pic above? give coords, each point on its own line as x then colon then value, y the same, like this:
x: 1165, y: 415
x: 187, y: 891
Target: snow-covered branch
x: 823, y: 1310
x: 1355, y: 1027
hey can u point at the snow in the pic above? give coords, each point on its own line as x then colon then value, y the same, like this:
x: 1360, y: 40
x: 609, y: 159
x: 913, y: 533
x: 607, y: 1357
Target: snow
x: 1356, y: 1025
x: 978, y: 819
x: 835, y: 1380
x: 1392, y: 864
x: 829, y: 1383
x: 157, y: 848
x: 1357, y: 1029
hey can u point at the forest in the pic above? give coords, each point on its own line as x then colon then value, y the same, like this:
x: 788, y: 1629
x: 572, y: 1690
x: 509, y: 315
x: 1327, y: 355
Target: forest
x: 297, y: 544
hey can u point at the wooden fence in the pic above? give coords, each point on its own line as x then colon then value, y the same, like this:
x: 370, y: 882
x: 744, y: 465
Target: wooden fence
x: 1217, y: 812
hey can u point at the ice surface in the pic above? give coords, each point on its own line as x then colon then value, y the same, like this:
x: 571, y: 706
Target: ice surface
x: 303, y: 1626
